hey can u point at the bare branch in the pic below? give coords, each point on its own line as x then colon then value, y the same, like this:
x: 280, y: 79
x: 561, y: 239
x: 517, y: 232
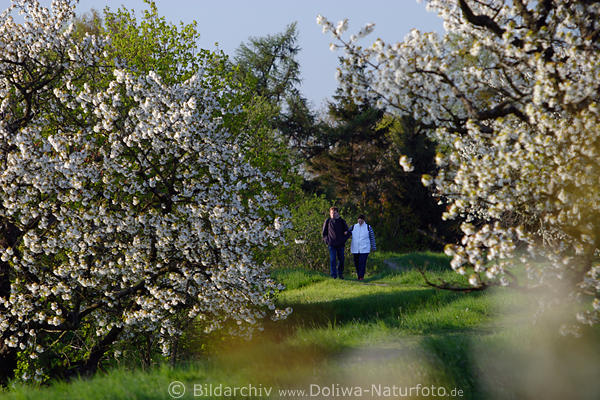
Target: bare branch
x: 480, y: 20
x: 448, y: 286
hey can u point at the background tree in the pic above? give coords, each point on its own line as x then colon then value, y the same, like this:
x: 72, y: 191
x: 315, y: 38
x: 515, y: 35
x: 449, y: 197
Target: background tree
x: 357, y: 164
x: 348, y: 160
x: 90, y: 23
x: 152, y: 44
x: 269, y: 65
x: 301, y: 128
x: 271, y: 62
x: 510, y: 94
x: 304, y: 245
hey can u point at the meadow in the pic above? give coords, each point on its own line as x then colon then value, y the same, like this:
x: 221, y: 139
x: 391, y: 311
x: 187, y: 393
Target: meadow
x: 390, y: 336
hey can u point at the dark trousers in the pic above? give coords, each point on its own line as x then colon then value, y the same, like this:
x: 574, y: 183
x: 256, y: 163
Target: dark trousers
x: 336, y: 252
x: 360, y: 262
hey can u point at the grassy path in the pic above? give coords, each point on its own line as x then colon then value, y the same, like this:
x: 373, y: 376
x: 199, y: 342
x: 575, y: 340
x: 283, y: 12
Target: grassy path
x: 389, y: 330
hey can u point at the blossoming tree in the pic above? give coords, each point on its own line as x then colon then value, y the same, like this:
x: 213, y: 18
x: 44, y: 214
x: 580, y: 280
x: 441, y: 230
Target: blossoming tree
x: 511, y: 94
x: 124, y: 202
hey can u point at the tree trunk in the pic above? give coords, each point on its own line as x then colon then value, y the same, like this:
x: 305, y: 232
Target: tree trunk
x: 90, y: 366
x: 8, y: 355
x: 8, y: 364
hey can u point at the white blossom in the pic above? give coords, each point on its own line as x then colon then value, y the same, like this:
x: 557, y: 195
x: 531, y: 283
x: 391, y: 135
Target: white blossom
x: 510, y: 94
x: 135, y: 203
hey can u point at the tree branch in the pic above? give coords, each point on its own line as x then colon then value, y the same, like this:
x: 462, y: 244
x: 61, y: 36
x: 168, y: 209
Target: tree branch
x: 480, y: 20
x: 447, y: 286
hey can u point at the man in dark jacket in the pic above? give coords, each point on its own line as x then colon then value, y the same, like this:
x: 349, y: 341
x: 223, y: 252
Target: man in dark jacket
x: 335, y: 233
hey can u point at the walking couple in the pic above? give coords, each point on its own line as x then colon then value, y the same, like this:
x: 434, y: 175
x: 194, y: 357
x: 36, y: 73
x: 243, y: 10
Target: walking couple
x: 335, y: 232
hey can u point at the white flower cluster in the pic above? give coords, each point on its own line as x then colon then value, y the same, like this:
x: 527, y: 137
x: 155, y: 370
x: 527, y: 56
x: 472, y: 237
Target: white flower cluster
x: 511, y: 94
x: 122, y: 204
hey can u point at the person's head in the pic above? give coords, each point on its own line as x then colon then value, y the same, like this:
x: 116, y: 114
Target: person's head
x: 334, y: 212
x: 361, y: 219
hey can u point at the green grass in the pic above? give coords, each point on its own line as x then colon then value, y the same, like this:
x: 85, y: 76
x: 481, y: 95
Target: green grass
x: 390, y: 329
x: 297, y: 278
x: 117, y: 384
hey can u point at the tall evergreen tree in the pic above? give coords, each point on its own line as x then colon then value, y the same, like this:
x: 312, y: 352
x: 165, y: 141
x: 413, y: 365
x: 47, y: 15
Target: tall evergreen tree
x: 269, y: 65
x: 351, y: 146
x: 271, y: 62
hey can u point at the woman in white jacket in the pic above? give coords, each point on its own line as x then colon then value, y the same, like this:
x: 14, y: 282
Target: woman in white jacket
x: 363, y: 242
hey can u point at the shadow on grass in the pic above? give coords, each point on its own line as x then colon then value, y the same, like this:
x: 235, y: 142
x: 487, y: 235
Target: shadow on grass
x: 438, y: 262
x: 452, y: 356
x: 322, y: 337
x: 390, y: 308
x: 318, y: 337
x: 443, y: 346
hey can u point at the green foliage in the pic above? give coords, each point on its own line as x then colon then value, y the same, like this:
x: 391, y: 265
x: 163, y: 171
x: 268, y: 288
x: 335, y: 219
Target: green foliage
x: 304, y: 245
x: 153, y: 44
x: 298, y: 123
x: 351, y: 152
x: 90, y: 23
x: 270, y: 62
x: 265, y: 71
x: 62, y: 354
x: 266, y: 149
x: 278, y: 118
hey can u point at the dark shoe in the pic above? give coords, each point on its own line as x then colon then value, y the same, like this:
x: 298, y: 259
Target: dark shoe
x: 341, y: 277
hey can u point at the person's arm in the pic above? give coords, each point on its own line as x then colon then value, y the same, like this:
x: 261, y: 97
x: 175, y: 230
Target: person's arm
x: 324, y: 232
x: 372, y: 238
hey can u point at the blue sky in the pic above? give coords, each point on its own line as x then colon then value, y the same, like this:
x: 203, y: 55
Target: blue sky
x: 230, y: 22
